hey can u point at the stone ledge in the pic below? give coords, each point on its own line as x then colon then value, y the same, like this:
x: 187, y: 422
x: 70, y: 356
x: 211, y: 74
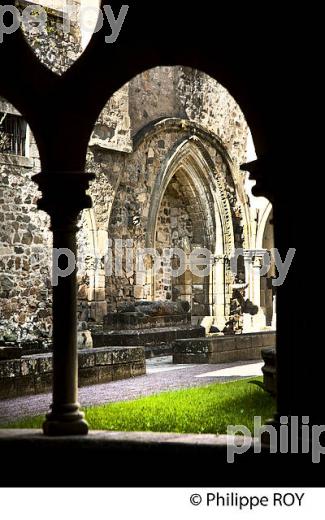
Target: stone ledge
x: 222, y: 349
x: 16, y: 160
x: 32, y: 374
x: 156, y: 341
x: 7, y: 353
x: 145, y: 459
x: 100, y: 436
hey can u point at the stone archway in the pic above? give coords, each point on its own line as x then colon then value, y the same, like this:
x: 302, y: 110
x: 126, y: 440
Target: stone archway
x: 182, y: 223
x: 189, y: 209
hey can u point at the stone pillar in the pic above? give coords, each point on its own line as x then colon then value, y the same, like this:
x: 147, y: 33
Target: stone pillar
x: 219, y: 291
x: 63, y: 198
x: 273, y: 325
x: 253, y: 261
x: 295, y: 398
x: 248, y: 318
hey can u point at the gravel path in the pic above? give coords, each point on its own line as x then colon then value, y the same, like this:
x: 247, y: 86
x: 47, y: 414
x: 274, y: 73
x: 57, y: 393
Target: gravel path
x: 161, y: 376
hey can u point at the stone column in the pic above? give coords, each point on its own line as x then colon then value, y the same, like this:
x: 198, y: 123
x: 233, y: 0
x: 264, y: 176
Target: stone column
x: 248, y: 318
x: 219, y: 291
x: 295, y: 397
x: 259, y: 319
x: 63, y: 198
x: 254, y: 261
x: 273, y: 324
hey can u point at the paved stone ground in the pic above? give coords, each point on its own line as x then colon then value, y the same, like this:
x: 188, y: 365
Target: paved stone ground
x: 161, y: 376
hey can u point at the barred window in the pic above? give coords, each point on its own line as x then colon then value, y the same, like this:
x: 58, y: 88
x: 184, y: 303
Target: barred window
x: 12, y: 134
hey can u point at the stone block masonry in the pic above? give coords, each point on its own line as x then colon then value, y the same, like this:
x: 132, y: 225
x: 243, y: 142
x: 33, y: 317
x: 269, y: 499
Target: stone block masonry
x: 156, y: 341
x: 222, y: 349
x: 33, y: 374
x: 166, y: 151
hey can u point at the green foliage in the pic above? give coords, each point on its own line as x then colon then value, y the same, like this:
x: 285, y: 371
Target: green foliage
x: 207, y: 409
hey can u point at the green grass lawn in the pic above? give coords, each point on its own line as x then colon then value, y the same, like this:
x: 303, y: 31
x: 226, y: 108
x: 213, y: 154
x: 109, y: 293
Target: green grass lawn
x: 207, y: 409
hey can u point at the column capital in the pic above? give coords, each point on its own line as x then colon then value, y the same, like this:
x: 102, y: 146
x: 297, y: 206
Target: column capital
x: 63, y: 194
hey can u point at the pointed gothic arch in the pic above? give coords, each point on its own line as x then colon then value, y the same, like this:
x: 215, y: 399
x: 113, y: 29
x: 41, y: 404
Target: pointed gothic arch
x: 190, y: 163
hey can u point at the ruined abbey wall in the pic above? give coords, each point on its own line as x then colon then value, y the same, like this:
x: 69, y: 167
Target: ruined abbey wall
x: 167, y: 121
x: 166, y: 107
x: 25, y: 237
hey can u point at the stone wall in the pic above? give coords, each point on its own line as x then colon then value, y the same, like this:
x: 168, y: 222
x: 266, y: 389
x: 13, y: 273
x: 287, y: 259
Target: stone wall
x: 33, y: 374
x: 189, y: 94
x: 128, y: 152
x: 112, y: 130
x: 25, y: 239
x: 173, y: 229
x: 131, y: 215
x: 25, y: 246
x: 55, y: 48
x: 223, y: 349
x: 157, y: 341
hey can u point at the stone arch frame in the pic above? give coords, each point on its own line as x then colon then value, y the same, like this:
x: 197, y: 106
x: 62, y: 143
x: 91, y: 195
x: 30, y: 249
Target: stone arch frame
x: 191, y: 154
x: 196, y: 149
x: 186, y: 163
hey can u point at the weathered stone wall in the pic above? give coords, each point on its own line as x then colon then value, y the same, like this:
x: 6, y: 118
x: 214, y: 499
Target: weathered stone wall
x: 33, y: 374
x: 174, y: 229
x: 174, y: 93
x: 130, y: 216
x: 25, y: 239
x: 156, y: 334
x: 54, y: 47
x: 112, y: 130
x: 25, y: 246
x: 223, y: 349
x: 189, y: 94
x: 127, y: 164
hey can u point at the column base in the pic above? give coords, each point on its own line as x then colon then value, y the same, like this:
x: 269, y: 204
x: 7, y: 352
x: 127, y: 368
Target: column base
x: 68, y: 420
